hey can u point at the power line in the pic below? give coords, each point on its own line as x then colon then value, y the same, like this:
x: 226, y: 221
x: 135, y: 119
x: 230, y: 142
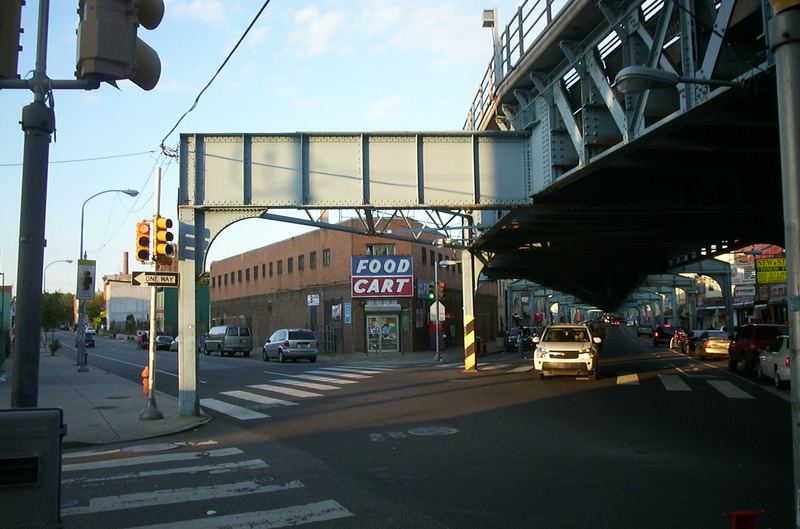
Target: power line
x: 172, y: 152
x: 98, y: 158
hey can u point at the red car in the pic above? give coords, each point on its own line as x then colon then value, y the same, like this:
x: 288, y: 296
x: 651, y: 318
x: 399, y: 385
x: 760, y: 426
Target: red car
x: 747, y: 342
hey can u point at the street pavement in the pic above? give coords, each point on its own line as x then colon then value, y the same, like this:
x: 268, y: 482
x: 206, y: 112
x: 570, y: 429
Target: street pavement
x: 103, y: 408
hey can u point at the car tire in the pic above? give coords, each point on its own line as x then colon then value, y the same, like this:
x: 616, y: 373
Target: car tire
x: 281, y: 358
x: 246, y: 353
x: 312, y: 359
x: 264, y: 355
x: 205, y: 350
x: 776, y: 379
x: 732, y: 364
x: 759, y: 373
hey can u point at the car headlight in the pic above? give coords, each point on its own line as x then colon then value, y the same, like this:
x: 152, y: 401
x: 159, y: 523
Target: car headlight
x: 586, y: 354
x: 541, y: 353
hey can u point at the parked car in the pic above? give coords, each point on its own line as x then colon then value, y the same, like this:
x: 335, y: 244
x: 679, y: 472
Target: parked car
x: 513, y: 336
x: 662, y: 335
x: 773, y: 362
x: 285, y: 344
x: 711, y: 343
x: 88, y: 340
x: 688, y: 343
x: 566, y: 349
x: 748, y: 341
x: 229, y: 339
x: 645, y: 329
x: 176, y: 343
x: 163, y: 342
x: 90, y: 330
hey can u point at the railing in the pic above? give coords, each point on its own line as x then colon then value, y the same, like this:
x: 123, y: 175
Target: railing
x: 519, y: 35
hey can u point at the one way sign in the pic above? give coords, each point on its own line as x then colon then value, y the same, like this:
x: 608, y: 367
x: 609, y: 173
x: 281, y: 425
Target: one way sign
x: 154, y: 279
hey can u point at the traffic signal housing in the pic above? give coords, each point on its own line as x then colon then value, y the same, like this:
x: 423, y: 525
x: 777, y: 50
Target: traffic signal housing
x: 108, y: 48
x: 10, y: 22
x: 441, y: 289
x: 143, y: 241
x: 162, y: 241
x: 431, y: 290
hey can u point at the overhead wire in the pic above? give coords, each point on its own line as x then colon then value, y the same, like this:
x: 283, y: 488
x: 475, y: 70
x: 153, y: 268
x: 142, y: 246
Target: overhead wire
x: 173, y: 152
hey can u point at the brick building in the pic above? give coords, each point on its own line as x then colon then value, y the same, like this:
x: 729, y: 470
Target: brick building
x: 305, y: 281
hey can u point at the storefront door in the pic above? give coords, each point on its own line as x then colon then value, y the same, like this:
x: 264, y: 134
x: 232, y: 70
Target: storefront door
x: 383, y: 333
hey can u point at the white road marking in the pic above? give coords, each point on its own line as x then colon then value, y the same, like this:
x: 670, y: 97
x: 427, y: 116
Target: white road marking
x: 729, y: 389
x: 673, y: 383
x: 234, y: 411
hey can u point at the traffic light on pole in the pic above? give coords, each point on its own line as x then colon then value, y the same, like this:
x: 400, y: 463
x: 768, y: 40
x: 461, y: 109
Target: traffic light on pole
x: 162, y: 243
x: 10, y: 21
x: 441, y: 289
x: 143, y: 241
x: 431, y: 290
x: 108, y: 48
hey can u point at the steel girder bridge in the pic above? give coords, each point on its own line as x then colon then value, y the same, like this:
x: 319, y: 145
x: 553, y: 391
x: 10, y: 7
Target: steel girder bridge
x: 560, y: 178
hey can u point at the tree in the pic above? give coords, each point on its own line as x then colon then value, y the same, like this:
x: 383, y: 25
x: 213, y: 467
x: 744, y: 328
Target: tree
x: 94, y: 307
x: 56, y: 309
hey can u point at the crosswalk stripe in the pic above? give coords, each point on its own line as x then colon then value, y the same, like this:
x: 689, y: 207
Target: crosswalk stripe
x: 673, y: 383
x: 324, y: 379
x: 138, y: 500
x: 286, y: 517
x: 261, y: 399
x: 729, y: 389
x: 222, y: 468
x: 356, y: 370
x: 286, y: 391
x: 308, y: 385
x: 230, y: 409
x: 151, y: 459
x: 628, y: 380
x: 345, y: 375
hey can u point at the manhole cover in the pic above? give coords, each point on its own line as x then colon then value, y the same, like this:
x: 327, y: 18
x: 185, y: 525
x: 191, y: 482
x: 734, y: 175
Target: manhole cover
x: 105, y: 407
x: 155, y: 447
x: 118, y: 397
x: 433, y: 430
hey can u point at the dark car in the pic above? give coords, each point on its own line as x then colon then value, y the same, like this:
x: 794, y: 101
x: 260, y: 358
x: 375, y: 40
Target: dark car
x: 663, y: 334
x: 748, y: 341
x: 88, y: 340
x: 163, y: 342
x: 512, y: 338
x: 690, y: 341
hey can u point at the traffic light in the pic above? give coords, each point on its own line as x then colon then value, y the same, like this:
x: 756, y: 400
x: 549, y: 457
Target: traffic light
x: 143, y: 241
x: 162, y: 241
x: 441, y: 290
x: 10, y: 21
x: 108, y: 48
x: 431, y: 290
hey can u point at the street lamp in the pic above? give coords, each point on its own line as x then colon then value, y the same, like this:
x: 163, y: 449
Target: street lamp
x: 81, y: 345
x: 637, y: 79
x: 44, y: 280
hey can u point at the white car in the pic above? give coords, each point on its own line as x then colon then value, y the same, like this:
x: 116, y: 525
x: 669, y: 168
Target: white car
x: 773, y: 362
x: 566, y: 349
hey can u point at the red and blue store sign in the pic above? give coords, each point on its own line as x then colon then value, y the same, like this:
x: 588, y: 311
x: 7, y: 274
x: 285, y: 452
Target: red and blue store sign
x: 381, y: 276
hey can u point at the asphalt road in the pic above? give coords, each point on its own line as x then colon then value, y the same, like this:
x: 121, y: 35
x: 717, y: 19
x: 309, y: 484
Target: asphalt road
x: 660, y: 440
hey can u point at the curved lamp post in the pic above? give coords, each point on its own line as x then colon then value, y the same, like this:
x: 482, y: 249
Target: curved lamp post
x: 44, y: 281
x: 81, y: 345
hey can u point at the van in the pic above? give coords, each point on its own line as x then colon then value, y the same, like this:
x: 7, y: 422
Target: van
x: 229, y: 339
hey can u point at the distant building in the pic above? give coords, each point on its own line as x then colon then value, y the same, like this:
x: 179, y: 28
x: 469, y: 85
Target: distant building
x: 359, y: 293
x: 122, y: 299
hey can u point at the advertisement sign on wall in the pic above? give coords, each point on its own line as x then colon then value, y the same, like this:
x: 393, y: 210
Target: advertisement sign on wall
x: 381, y: 276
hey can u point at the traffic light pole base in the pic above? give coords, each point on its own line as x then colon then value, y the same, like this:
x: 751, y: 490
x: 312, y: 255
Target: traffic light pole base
x: 151, y: 411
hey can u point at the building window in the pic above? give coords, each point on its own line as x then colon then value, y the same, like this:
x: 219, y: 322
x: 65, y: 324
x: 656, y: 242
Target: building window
x: 380, y: 249
x: 270, y: 269
x: 289, y: 265
x: 312, y: 260
x: 424, y: 256
x: 233, y: 278
x: 226, y: 279
x: 433, y: 259
x: 239, y: 276
x: 247, y: 275
x: 255, y: 272
x: 213, y: 282
x: 326, y: 257
x: 280, y: 267
x: 301, y: 262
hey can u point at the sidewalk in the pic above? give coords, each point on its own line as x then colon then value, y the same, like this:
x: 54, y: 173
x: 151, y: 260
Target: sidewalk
x: 102, y: 408
x: 99, y: 408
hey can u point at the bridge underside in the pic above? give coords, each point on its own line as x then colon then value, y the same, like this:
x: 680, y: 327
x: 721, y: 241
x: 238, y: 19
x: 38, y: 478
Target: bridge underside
x: 705, y: 183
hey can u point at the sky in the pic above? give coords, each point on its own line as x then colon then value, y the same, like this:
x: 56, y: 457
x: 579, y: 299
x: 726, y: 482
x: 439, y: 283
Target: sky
x: 306, y: 65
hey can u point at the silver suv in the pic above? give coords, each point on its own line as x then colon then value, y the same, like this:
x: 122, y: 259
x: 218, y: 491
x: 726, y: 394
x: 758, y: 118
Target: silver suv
x: 285, y: 344
x: 566, y: 349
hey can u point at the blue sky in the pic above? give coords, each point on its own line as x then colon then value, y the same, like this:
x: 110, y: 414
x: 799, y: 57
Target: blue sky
x: 307, y: 65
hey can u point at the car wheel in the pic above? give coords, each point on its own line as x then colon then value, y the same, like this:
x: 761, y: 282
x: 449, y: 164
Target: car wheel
x: 732, y: 364
x: 205, y: 350
x: 312, y: 359
x: 281, y: 358
x: 777, y: 379
x: 264, y: 355
x: 759, y: 373
x: 247, y: 353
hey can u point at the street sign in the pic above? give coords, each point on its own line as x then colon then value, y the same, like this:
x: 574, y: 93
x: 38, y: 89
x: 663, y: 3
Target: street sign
x: 154, y: 279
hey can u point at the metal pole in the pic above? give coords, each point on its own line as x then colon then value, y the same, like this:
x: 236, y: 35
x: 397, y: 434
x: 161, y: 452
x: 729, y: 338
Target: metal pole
x: 151, y: 411
x: 438, y: 356
x: 38, y: 124
x: 784, y: 38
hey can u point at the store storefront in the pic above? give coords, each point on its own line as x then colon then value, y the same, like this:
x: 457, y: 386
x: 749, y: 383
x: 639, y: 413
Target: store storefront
x: 383, y: 326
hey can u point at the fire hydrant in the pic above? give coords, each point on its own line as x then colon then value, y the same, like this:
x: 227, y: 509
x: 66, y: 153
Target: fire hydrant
x: 145, y: 381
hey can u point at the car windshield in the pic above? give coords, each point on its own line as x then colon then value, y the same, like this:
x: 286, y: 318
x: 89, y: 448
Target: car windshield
x: 566, y: 335
x: 301, y: 335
